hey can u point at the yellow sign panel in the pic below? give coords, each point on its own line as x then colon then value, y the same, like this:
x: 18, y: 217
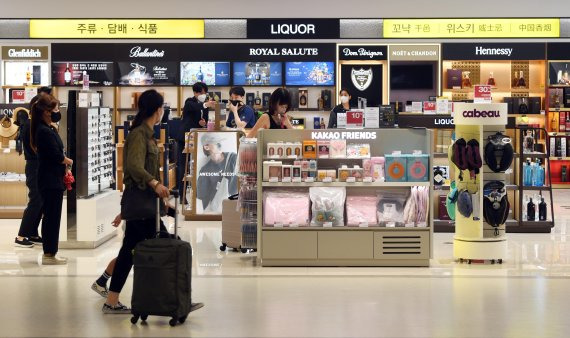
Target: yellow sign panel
x: 116, y: 29
x: 471, y: 28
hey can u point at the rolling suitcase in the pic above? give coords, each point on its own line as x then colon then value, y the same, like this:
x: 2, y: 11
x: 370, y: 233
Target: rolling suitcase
x: 162, y: 275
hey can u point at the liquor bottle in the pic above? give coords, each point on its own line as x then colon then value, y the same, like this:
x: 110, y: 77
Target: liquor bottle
x: 257, y: 101
x: 521, y: 81
x: 555, y: 99
x: 554, y: 123
x: 536, y: 204
x: 565, y: 76
x: 200, y: 75
x: 525, y: 202
x: 542, y: 210
x: 323, y: 126
x: 67, y: 75
x: 515, y: 80
x: 567, y: 121
x: 257, y: 75
x: 530, y: 210
x: 320, y: 103
x: 303, y: 99
x: 137, y: 75
x: 466, y: 81
x: 28, y: 76
x: 491, y: 81
x: 527, y: 173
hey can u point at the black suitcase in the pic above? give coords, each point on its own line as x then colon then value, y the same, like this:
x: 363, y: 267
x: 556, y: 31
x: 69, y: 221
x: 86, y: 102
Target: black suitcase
x: 162, y: 280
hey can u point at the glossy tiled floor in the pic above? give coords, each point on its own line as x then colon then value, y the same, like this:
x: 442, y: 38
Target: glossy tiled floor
x: 526, y: 297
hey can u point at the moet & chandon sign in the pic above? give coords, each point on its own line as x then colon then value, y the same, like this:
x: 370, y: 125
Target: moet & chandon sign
x: 361, y: 78
x: 138, y: 52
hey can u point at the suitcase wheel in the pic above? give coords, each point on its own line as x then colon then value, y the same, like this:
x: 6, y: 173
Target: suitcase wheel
x: 144, y: 317
x: 135, y: 319
x: 223, y: 247
x: 182, y: 319
x: 243, y: 250
x: 173, y: 322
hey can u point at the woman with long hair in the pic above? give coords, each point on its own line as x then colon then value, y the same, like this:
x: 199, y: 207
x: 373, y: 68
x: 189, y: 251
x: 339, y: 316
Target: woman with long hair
x: 52, y: 164
x: 276, y: 117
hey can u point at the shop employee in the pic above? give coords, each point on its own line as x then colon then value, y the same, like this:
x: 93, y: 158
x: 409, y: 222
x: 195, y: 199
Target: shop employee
x: 343, y: 107
x: 241, y: 115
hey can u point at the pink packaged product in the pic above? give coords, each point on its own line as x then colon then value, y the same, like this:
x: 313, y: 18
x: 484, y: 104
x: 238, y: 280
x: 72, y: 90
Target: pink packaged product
x: 377, y: 168
x: 361, y: 210
x: 286, y: 208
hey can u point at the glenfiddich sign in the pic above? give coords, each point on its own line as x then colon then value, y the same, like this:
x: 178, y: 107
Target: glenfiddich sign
x: 25, y: 53
x: 293, y: 28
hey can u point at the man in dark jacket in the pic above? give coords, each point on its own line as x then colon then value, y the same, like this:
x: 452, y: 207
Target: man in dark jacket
x: 194, y: 116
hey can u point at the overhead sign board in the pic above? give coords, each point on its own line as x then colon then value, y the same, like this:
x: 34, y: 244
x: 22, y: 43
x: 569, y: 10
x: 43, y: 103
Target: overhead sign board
x: 293, y: 28
x: 116, y: 29
x: 25, y: 53
x: 472, y: 28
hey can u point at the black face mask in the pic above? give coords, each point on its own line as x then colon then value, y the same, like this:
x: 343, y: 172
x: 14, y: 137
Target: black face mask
x: 55, y: 116
x: 236, y: 103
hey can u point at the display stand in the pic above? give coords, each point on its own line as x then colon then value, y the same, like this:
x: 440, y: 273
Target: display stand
x: 363, y: 245
x: 475, y: 240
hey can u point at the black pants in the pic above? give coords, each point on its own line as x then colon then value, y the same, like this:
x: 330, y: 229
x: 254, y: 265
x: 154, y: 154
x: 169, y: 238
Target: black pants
x: 180, y: 168
x: 135, y: 232
x: 33, y: 213
x: 53, y: 200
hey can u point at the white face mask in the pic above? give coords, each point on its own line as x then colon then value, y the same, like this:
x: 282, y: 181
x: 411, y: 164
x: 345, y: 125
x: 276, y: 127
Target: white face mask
x: 202, y: 97
x: 344, y: 99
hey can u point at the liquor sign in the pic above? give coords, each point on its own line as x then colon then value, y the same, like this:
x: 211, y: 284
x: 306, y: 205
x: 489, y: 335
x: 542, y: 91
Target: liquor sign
x: 482, y: 94
x: 293, y: 28
x: 147, y: 64
x: 494, y: 51
x: 25, y: 53
x: 362, y: 52
x: 116, y: 29
x: 472, y: 28
x: 354, y: 119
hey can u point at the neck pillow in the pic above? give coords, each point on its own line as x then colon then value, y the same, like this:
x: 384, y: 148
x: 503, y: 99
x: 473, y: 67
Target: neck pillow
x: 500, y: 146
x: 451, y: 200
x: 495, y: 204
x: 464, y: 203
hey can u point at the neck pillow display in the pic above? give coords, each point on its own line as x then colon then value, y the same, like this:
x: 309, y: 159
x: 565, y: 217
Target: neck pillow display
x: 465, y: 203
x: 499, y: 146
x: 495, y: 204
x: 466, y: 156
x: 451, y: 200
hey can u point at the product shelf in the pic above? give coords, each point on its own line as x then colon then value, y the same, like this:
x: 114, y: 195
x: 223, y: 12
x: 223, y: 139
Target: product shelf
x: 554, y: 109
x: 345, y: 228
x: 512, y: 187
x: 560, y: 158
x: 269, y: 158
x: 531, y: 188
x: 561, y: 185
x: 346, y: 184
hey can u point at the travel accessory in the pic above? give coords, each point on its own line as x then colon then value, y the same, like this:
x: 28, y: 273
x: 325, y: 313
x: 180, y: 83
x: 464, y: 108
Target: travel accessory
x: 396, y: 168
x: 417, y: 168
x: 465, y: 203
x: 499, y: 146
x: 415, y: 211
x: 442, y: 210
x: 361, y: 210
x: 327, y: 206
x: 286, y: 208
x: 451, y: 201
x: 466, y: 156
x: 391, y: 204
x: 495, y: 204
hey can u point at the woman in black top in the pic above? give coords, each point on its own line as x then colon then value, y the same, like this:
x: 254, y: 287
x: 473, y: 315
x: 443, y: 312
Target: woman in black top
x: 341, y: 108
x: 276, y: 117
x: 52, y: 163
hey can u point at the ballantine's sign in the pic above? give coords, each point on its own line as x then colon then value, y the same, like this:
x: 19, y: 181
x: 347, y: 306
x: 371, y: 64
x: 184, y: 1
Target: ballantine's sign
x: 344, y: 135
x: 481, y: 114
x: 138, y: 52
x: 493, y: 51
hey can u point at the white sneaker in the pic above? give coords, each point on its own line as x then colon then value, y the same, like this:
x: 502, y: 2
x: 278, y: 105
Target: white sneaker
x: 53, y: 260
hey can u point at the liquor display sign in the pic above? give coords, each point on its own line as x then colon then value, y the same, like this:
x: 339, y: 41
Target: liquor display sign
x: 116, y: 29
x: 309, y: 73
x: 482, y: 94
x: 73, y: 73
x: 494, y: 51
x: 293, y: 28
x: 472, y: 28
x: 145, y: 73
x: 362, y: 52
x: 25, y: 53
x: 211, y: 73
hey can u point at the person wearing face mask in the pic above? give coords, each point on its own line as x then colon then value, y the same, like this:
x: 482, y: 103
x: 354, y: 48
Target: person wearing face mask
x: 276, y: 117
x: 343, y: 107
x: 241, y: 115
x: 52, y: 166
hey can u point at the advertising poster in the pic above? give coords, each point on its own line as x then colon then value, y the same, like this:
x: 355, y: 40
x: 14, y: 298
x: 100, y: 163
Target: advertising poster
x: 147, y: 73
x: 19, y: 73
x: 211, y: 73
x: 258, y: 73
x: 363, y: 81
x: 309, y: 74
x: 216, y: 180
x: 71, y: 73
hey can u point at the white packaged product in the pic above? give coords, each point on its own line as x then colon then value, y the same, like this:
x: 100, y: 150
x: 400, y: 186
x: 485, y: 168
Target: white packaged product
x: 327, y: 206
x: 391, y: 207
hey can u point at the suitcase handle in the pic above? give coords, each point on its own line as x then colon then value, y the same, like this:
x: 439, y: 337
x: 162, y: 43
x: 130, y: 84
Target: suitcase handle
x: 176, y: 194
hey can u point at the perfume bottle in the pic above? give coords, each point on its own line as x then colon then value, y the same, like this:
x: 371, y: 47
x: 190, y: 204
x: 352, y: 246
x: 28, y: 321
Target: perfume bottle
x: 515, y: 80
x: 257, y: 100
x: 491, y: 80
x: 67, y: 75
x: 466, y: 81
x: 542, y: 210
x: 530, y: 210
x: 521, y: 81
x: 200, y: 75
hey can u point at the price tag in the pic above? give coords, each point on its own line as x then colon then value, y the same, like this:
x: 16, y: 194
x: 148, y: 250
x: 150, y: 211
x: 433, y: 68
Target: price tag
x: 327, y: 180
x: 350, y: 180
x: 482, y: 94
x: 293, y: 157
x: 354, y: 119
x: 327, y: 224
x: 367, y: 180
x: 286, y: 180
x: 278, y: 225
x: 296, y: 180
x: 273, y: 179
x: 310, y: 180
x: 293, y: 225
x: 363, y: 225
x: 508, y: 171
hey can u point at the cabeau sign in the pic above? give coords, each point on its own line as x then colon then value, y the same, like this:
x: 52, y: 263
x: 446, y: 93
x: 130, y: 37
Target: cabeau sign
x: 480, y: 114
x: 25, y: 53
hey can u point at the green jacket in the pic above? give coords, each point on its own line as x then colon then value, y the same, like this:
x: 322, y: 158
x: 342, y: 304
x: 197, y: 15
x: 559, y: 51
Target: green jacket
x: 140, y: 157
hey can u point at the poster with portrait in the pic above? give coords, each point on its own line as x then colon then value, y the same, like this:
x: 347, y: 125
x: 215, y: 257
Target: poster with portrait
x: 216, y: 170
